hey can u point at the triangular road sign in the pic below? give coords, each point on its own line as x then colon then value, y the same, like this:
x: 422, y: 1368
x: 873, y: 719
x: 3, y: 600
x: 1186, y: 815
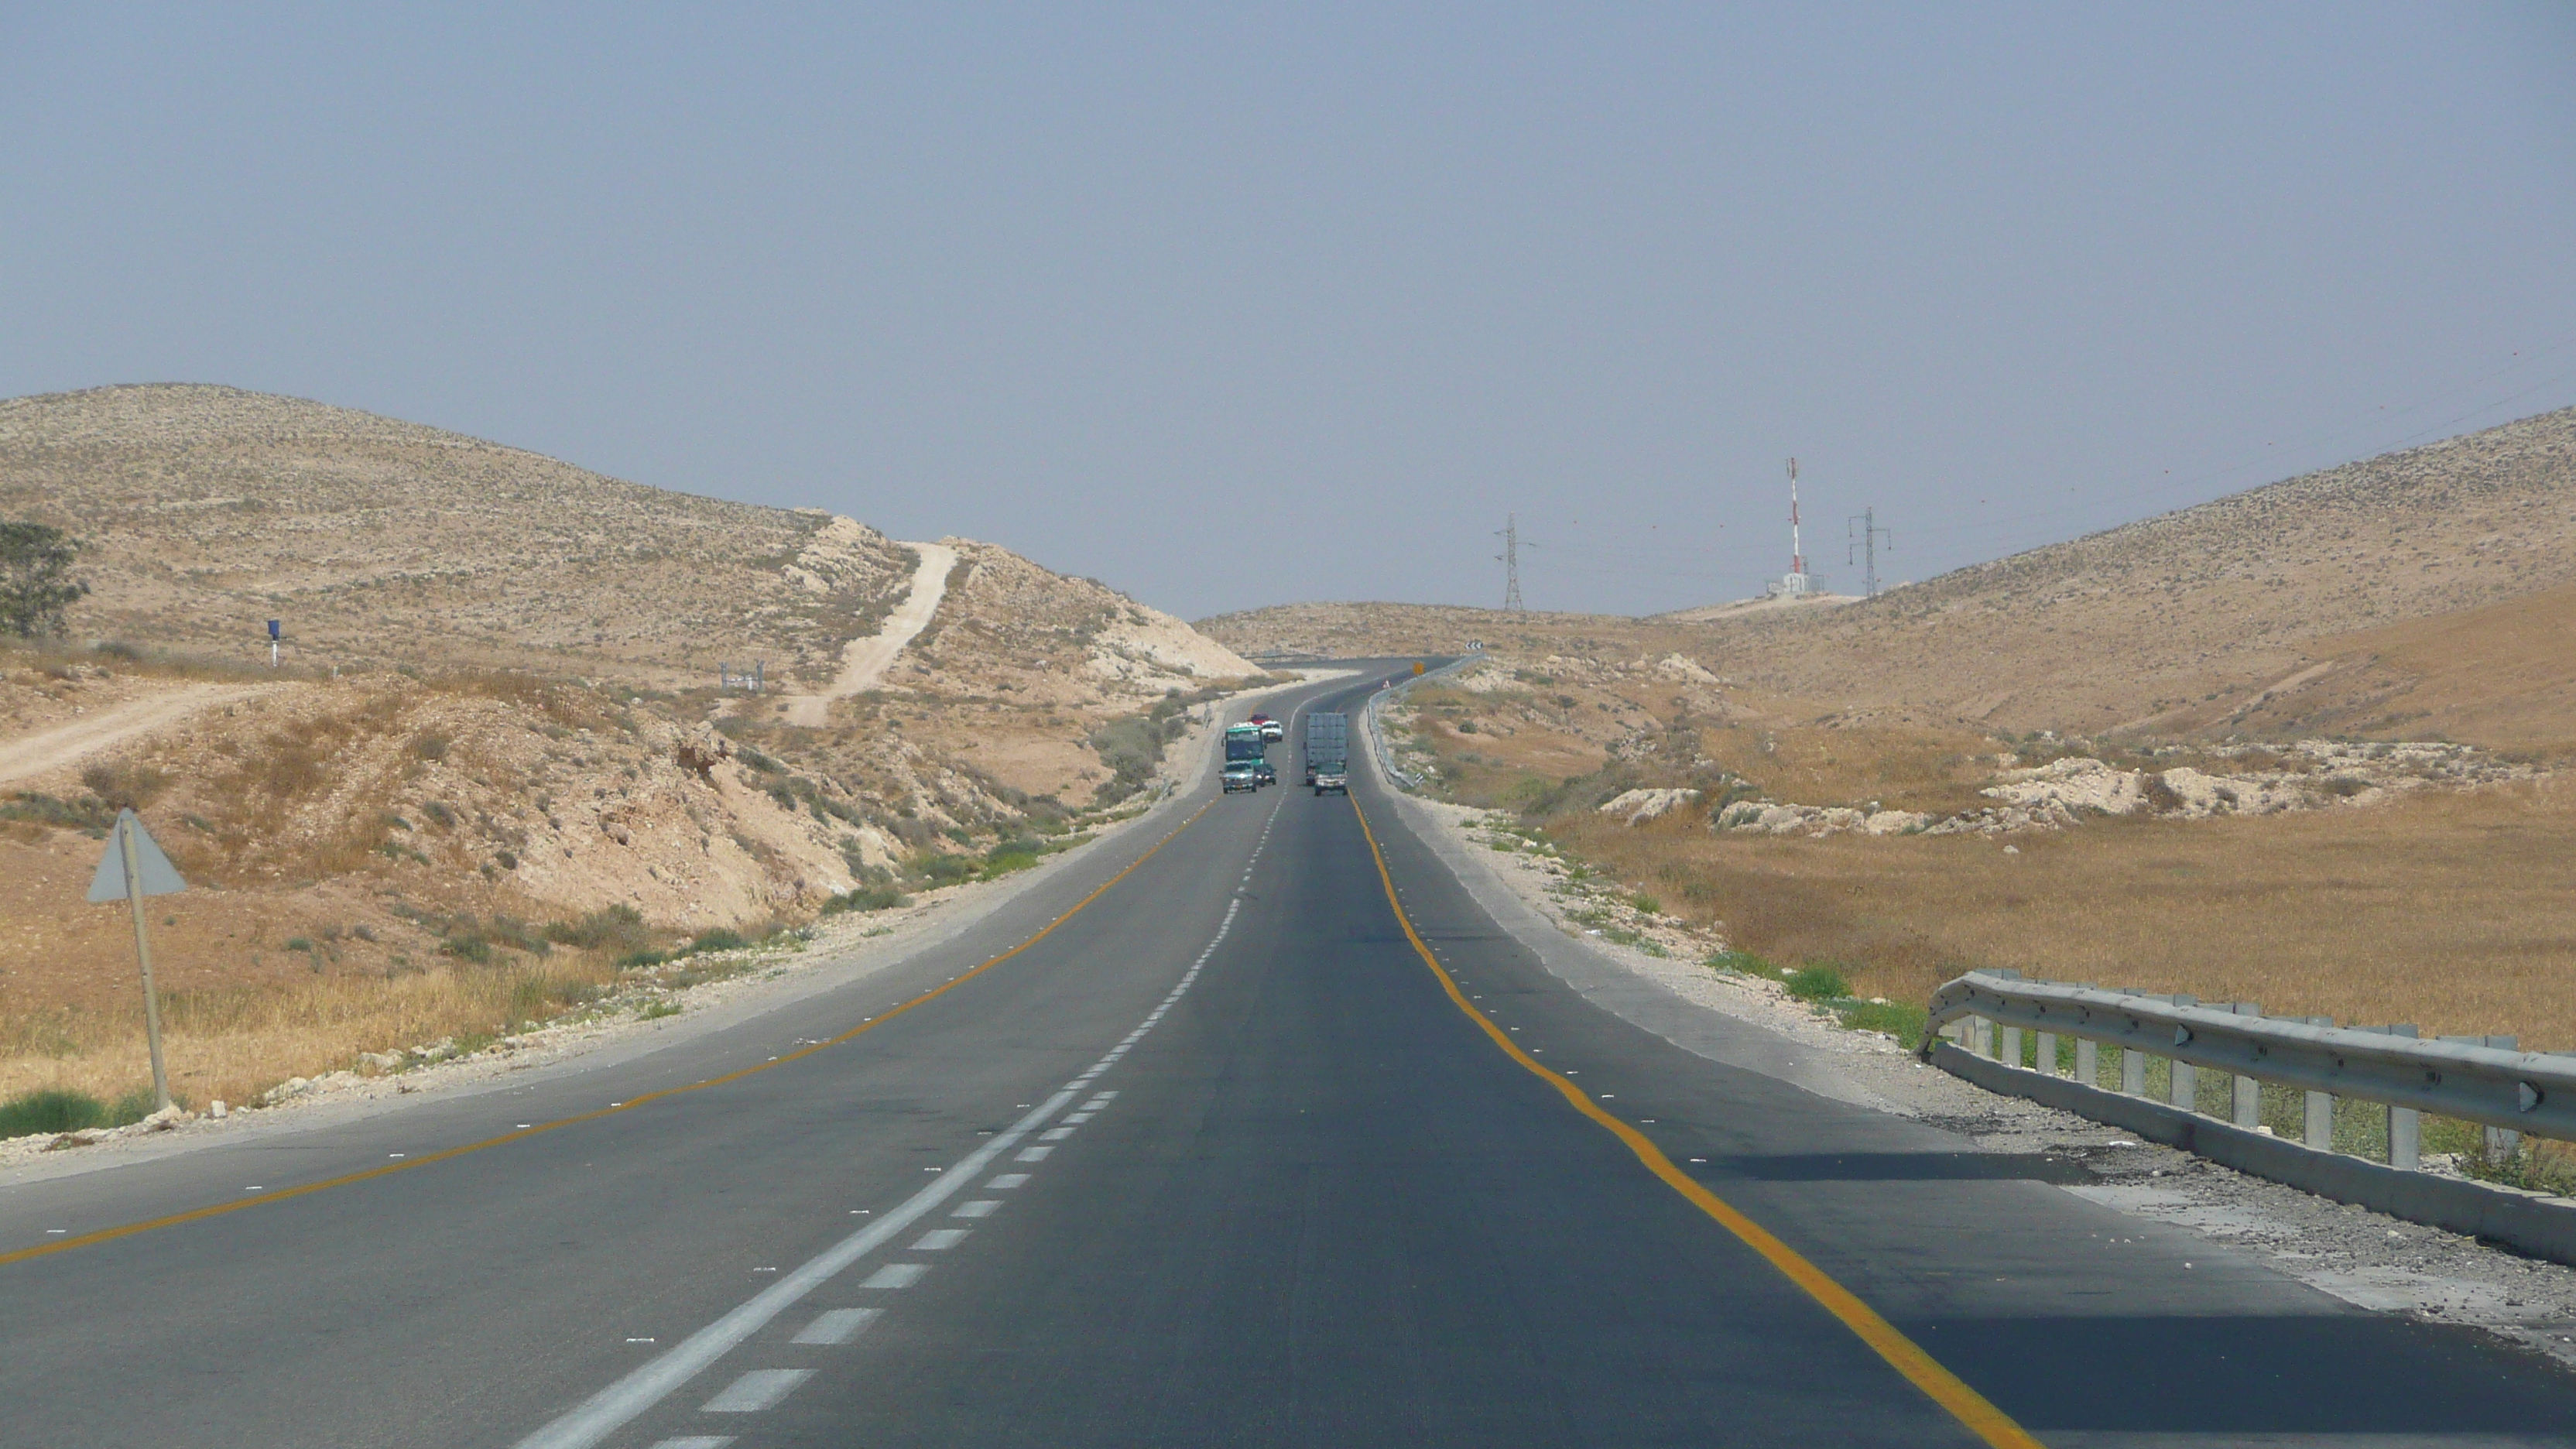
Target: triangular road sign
x: 160, y: 877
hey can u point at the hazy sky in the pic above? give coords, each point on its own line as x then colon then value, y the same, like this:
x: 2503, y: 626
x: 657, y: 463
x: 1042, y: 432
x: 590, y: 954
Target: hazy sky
x: 1231, y: 306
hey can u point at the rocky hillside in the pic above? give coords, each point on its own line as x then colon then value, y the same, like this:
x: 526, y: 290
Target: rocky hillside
x: 500, y: 691
x: 206, y: 511
x: 2207, y: 618
x: 2145, y: 624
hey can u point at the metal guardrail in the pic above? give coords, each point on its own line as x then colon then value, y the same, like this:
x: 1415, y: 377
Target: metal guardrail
x: 1377, y: 728
x: 2482, y: 1080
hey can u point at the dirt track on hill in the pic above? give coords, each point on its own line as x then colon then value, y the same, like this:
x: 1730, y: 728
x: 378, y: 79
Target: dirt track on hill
x: 66, y: 744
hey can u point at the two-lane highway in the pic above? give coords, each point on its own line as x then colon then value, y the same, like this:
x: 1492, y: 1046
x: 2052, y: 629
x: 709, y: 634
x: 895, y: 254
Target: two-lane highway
x: 1271, y: 1137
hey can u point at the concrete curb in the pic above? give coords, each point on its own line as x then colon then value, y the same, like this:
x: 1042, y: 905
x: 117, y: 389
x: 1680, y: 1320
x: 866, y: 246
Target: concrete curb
x: 2532, y: 1222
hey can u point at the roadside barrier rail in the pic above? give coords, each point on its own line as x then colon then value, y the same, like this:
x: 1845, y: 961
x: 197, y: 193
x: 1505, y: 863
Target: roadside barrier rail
x: 2482, y: 1080
x: 1377, y: 728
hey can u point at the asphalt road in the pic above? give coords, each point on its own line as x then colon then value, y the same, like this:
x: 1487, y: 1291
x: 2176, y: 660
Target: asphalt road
x: 1218, y: 1159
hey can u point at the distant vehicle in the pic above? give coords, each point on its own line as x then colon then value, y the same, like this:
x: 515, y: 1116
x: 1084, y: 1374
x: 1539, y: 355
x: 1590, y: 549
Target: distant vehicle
x: 1240, y: 775
x: 1328, y: 743
x: 1243, y: 742
x: 1272, y: 729
x: 1333, y: 779
x: 1262, y: 770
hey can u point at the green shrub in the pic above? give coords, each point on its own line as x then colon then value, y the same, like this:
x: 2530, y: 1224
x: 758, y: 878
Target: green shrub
x: 1648, y: 904
x: 719, y: 939
x: 945, y: 869
x: 1132, y: 748
x: 50, y: 1111
x: 1899, y: 1019
x: 467, y: 944
x: 636, y: 960
x: 659, y: 1009
x: 90, y: 814
x: 1002, y: 865
x: 1744, y: 962
x: 1818, y: 982
x: 866, y: 898
x: 134, y: 1106
x: 610, y: 928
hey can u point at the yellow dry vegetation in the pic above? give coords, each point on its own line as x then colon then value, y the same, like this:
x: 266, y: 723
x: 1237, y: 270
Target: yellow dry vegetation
x: 2450, y: 910
x: 2502, y: 676
x: 233, y: 1042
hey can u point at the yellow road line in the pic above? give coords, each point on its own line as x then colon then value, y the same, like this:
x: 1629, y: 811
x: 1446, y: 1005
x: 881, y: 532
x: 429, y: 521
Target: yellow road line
x: 630, y: 1104
x: 1903, y: 1354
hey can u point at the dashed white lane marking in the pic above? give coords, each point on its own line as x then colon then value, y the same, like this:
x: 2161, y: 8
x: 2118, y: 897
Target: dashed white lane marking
x: 1006, y: 1182
x: 981, y: 1207
x: 611, y: 1408
x: 1055, y: 1134
x: 1078, y: 1118
x: 755, y: 1391
x: 840, y: 1325
x: 696, y: 1441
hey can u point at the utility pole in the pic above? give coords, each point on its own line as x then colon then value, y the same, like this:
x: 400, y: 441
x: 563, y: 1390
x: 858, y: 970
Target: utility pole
x: 1510, y: 557
x: 1866, y: 542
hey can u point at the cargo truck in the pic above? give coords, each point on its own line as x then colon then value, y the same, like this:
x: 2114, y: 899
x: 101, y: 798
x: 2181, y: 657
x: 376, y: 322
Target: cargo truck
x: 1328, y: 749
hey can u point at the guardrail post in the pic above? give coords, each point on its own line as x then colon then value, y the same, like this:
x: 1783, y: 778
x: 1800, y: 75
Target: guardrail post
x: 2247, y: 1093
x: 2501, y: 1142
x: 2405, y: 1124
x: 2088, y: 1062
x: 2045, y: 1053
x: 2183, y: 1083
x: 1981, y: 1036
x: 2011, y: 1045
x: 2133, y: 1072
x: 2317, y: 1130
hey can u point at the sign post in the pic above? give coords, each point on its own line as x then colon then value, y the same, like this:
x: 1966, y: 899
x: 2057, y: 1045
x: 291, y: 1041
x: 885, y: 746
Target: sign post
x: 134, y: 867
x: 272, y: 643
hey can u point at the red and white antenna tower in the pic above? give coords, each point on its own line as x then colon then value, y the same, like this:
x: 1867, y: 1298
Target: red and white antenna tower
x: 1797, y: 555
x: 1795, y: 582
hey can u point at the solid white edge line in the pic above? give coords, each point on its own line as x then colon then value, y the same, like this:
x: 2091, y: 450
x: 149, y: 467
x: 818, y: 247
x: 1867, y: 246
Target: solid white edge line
x: 609, y: 1410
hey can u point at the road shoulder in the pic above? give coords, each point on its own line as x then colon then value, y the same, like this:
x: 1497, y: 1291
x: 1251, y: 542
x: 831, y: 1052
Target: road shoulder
x: 2366, y: 1259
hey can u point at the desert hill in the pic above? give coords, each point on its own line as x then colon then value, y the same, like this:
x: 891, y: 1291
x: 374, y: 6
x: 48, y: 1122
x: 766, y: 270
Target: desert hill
x: 2198, y: 619
x: 206, y: 511
x: 2145, y: 623
x: 498, y: 740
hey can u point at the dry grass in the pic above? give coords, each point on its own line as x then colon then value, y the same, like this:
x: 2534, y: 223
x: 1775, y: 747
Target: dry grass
x: 233, y: 1043
x: 2450, y: 911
